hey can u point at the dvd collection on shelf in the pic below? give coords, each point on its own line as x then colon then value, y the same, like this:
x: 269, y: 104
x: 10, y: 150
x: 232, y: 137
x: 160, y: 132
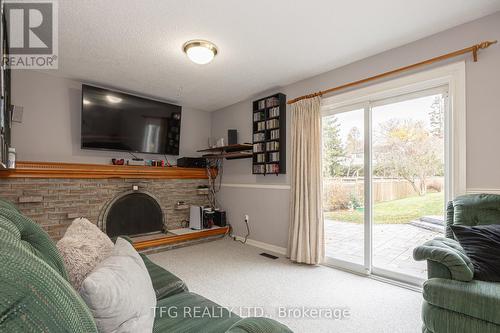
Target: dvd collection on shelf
x: 258, y: 147
x: 274, y: 157
x: 269, y: 133
x: 272, y: 145
x: 261, y: 158
x: 274, y: 134
x: 259, y: 169
x: 268, y: 102
x: 261, y: 126
x: 258, y: 116
x: 272, y: 124
x: 257, y: 137
x: 268, y: 168
x: 274, y: 112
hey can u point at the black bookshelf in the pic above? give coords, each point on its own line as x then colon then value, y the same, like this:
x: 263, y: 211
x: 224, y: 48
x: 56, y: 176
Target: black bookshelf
x: 269, y: 135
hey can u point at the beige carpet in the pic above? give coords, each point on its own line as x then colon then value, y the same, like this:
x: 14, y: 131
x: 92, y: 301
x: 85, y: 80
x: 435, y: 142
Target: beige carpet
x: 235, y: 275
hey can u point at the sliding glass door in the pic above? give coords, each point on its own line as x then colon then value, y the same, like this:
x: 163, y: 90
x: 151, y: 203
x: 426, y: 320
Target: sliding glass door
x: 385, y: 179
x: 344, y: 186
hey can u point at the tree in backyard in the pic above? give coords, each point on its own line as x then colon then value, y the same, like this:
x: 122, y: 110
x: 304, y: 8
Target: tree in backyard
x: 437, y: 117
x: 332, y: 147
x: 353, y: 149
x: 406, y: 148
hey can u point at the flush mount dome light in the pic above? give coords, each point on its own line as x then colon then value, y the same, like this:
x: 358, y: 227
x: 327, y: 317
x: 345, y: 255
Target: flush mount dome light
x: 200, y: 51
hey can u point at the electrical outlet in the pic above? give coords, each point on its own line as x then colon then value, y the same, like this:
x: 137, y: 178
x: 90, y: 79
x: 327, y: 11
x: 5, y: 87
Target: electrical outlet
x: 247, y: 218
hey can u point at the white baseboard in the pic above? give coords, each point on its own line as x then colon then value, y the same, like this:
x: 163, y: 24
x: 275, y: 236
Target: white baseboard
x: 483, y: 190
x: 264, y: 246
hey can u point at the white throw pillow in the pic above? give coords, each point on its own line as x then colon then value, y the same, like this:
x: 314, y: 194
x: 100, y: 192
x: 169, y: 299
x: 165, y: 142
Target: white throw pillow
x: 83, y: 246
x: 119, y: 292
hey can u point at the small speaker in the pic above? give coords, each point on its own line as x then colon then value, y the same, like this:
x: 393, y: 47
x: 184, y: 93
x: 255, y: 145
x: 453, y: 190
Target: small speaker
x: 232, y: 136
x: 220, y: 218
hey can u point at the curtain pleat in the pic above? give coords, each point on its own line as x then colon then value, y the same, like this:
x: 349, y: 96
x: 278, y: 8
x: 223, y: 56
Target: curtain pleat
x: 306, y: 235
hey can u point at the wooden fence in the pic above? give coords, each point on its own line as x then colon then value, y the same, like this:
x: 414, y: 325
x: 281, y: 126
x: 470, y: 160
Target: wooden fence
x: 383, y: 189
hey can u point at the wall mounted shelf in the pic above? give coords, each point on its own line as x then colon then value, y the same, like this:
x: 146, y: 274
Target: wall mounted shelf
x: 231, y: 152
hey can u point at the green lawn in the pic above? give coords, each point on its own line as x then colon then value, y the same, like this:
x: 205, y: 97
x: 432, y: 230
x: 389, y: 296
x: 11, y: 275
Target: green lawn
x: 396, y: 211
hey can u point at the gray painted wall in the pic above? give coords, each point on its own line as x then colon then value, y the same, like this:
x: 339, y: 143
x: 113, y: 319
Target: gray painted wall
x: 51, y: 126
x: 50, y: 130
x: 269, y: 208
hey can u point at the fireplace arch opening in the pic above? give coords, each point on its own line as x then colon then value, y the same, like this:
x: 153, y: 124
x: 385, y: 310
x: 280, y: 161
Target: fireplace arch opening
x: 133, y: 213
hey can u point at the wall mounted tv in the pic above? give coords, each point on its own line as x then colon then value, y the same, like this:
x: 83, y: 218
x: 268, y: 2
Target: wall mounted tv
x: 114, y: 120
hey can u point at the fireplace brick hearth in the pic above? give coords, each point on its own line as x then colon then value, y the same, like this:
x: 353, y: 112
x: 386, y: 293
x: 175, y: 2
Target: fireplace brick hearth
x: 54, y: 203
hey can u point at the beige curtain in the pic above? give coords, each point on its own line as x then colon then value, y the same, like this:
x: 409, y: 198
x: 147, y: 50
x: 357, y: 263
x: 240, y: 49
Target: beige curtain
x: 306, y: 239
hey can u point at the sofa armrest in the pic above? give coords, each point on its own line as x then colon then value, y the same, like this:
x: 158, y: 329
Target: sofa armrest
x: 448, y: 253
x: 258, y: 325
x: 164, y: 282
x: 437, y: 270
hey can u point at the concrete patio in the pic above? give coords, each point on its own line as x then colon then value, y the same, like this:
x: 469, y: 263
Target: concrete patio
x: 392, y: 245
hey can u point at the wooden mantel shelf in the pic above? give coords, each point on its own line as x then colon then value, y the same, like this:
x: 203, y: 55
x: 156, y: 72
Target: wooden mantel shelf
x: 99, y: 171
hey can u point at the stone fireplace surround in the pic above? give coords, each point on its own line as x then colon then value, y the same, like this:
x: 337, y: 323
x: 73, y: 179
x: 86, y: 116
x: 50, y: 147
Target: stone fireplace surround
x: 55, y: 202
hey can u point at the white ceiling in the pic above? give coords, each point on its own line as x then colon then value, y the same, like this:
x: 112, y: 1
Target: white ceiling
x: 136, y: 45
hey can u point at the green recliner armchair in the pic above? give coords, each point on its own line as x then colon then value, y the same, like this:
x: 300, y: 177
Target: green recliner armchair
x: 453, y: 301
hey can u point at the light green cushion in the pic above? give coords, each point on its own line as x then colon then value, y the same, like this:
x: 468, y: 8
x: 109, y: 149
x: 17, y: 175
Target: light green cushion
x: 478, y: 299
x: 34, y: 296
x: 474, y: 209
x: 8, y: 205
x: 9, y: 227
x: 35, y: 239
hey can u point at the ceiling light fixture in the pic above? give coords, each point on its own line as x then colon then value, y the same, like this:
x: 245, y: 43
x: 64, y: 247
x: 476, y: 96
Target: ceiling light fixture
x: 113, y: 99
x: 200, y: 51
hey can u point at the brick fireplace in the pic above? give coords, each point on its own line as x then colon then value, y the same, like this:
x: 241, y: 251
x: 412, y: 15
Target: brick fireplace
x: 54, y: 202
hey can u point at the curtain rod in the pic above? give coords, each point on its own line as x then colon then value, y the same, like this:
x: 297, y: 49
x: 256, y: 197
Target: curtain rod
x: 474, y: 49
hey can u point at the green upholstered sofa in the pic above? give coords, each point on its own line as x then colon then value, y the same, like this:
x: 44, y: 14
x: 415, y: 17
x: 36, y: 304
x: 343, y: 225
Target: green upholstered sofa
x: 35, y: 295
x: 453, y: 301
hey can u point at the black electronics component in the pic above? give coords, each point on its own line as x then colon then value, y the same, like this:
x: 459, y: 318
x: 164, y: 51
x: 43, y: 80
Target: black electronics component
x: 232, y: 137
x: 220, y: 218
x: 191, y: 162
x: 113, y: 120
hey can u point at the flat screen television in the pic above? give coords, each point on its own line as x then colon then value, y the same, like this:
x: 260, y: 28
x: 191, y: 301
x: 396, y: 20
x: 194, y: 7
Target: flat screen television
x: 114, y: 120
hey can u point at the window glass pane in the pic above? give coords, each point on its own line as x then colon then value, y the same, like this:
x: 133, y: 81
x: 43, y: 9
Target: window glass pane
x: 407, y: 181
x: 343, y: 185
